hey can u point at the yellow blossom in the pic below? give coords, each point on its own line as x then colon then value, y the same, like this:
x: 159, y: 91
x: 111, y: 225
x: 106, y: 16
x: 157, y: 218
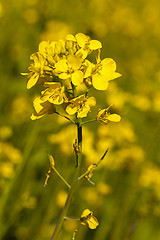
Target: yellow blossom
x: 47, y: 48
x: 54, y: 93
x: 42, y: 108
x: 36, y: 69
x: 87, y: 217
x: 103, y: 73
x: 84, y: 41
x: 80, y: 105
x: 82, y: 44
x: 70, y: 68
x: 104, y: 116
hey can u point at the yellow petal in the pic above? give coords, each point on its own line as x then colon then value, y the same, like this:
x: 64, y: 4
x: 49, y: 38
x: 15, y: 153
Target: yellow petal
x: 77, y: 77
x: 85, y: 213
x: 70, y: 37
x: 24, y: 74
x: 82, y: 39
x: 35, y: 117
x: 37, y: 104
x: 109, y: 63
x: 99, y: 82
x: 82, y: 53
x: 74, y: 62
x: 61, y: 65
x: 52, y: 46
x: 70, y: 109
x: 89, y: 68
x: 84, y: 111
x: 114, y: 76
x: 91, y: 101
x: 42, y: 46
x: 92, y: 222
x: 95, y: 44
x: 114, y: 117
x: 33, y: 80
x: 64, y: 75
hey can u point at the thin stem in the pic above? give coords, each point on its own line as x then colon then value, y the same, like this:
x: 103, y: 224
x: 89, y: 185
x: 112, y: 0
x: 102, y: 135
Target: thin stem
x: 84, y: 174
x: 61, y: 177
x: 69, y: 218
x: 65, y: 117
x: 89, y: 121
x: 95, y: 165
x: 75, y: 177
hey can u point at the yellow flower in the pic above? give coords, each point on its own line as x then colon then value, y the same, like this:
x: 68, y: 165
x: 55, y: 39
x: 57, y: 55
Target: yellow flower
x: 104, y: 116
x: 87, y: 217
x: 80, y: 105
x: 42, y: 108
x: 50, y: 49
x: 84, y: 41
x: 70, y: 68
x: 54, y: 93
x: 37, y: 69
x: 82, y: 44
x: 103, y: 73
x: 46, y: 48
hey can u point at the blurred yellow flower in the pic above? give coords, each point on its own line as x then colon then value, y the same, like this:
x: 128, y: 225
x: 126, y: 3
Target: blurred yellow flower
x: 5, y: 132
x: 87, y: 217
x: 6, y: 170
x: 80, y: 105
x: 103, y: 188
x: 104, y: 116
x: 42, y: 108
x: 61, y: 198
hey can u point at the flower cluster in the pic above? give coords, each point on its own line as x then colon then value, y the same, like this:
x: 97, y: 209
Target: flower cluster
x: 60, y: 67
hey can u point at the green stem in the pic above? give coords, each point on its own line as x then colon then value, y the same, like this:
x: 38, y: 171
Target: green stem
x: 89, y: 121
x: 72, y: 188
x: 65, y: 117
x: 61, y: 176
x: 95, y: 165
x: 83, y: 175
x: 75, y: 178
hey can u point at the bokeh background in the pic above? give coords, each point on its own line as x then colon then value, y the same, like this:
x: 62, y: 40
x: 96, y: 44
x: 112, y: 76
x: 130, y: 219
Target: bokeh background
x: 126, y: 194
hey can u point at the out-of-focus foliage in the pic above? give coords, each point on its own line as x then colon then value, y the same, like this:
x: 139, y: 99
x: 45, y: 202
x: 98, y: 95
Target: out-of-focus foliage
x: 126, y: 194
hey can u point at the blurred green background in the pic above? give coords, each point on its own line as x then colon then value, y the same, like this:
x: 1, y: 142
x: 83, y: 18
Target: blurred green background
x: 126, y: 194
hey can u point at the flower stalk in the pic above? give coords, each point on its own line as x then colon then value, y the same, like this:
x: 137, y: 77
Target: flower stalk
x: 73, y: 186
x: 60, y: 176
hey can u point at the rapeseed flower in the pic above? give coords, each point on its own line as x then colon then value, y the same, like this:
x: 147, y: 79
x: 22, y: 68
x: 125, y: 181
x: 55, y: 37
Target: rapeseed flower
x: 80, y: 105
x: 70, y: 68
x: 103, y: 72
x: 87, y: 217
x: 83, y: 43
x: 103, y: 116
x: 37, y: 69
x: 54, y: 93
x: 42, y: 108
